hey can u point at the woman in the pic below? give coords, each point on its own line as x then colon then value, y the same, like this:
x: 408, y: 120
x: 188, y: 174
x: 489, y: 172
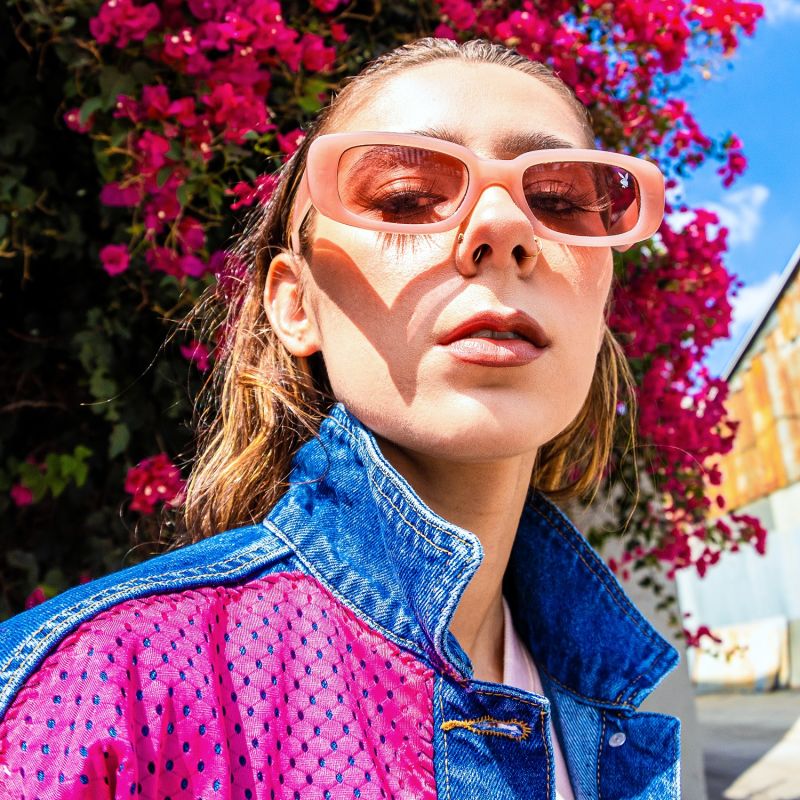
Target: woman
x: 413, y: 618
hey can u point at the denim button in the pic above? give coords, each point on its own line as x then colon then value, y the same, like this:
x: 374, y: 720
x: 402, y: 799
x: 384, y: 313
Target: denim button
x: 617, y: 740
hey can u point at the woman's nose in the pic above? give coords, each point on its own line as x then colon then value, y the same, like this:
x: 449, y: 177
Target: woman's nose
x: 496, y: 233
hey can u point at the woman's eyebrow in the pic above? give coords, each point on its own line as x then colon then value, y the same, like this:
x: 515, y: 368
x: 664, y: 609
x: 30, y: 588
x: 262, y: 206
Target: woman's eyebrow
x: 516, y: 143
x: 509, y: 145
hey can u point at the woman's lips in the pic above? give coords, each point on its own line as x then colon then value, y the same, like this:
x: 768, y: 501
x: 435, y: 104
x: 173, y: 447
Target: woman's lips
x: 494, y: 352
x: 472, y: 341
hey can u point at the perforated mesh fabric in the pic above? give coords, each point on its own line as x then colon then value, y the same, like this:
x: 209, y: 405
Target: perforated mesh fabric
x: 273, y: 689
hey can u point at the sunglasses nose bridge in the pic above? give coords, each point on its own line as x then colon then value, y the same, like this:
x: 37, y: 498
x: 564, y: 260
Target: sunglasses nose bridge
x: 487, y: 173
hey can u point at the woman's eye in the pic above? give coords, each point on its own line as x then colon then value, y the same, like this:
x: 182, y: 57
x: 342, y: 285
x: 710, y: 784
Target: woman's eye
x: 406, y: 203
x: 401, y: 203
x: 563, y: 201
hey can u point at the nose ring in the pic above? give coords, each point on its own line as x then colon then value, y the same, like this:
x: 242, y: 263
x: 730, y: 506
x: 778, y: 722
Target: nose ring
x: 460, y: 238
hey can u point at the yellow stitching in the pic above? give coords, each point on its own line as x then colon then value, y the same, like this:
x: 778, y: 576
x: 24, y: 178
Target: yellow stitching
x: 600, y: 750
x: 572, y: 691
x: 509, y: 697
x: 390, y: 477
x: 547, y: 760
x: 409, y: 523
x: 472, y: 726
x: 444, y: 738
x: 557, y: 524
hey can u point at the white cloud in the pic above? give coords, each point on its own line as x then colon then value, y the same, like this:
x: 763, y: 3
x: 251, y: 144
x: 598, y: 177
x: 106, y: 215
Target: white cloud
x: 740, y: 212
x: 751, y: 302
x: 781, y: 10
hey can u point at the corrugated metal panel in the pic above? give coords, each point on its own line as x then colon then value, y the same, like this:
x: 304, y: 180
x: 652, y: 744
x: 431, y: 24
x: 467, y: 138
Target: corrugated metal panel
x: 765, y: 399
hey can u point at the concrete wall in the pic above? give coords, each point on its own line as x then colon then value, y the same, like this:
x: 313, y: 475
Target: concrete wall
x: 753, y: 603
x: 764, y: 397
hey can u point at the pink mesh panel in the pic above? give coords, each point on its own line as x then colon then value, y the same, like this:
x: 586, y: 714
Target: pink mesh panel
x: 273, y: 689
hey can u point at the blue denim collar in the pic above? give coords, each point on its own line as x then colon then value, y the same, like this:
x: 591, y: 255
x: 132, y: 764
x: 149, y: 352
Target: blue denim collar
x: 404, y: 568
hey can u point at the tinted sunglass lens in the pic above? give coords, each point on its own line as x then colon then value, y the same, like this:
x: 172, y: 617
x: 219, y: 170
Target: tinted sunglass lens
x: 400, y: 184
x: 582, y: 198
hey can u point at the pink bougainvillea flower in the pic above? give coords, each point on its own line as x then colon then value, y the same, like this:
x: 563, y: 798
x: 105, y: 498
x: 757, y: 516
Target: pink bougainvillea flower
x: 153, y: 151
x: 461, y: 13
x: 124, y: 22
x: 72, y: 118
x: 444, y: 31
x: 317, y: 57
x: 35, y: 598
x: 21, y: 495
x: 162, y: 259
x: 260, y: 192
x: 339, y: 32
x: 113, y: 194
x: 155, y: 101
x: 183, y: 110
x: 289, y: 142
x: 154, y: 480
x: 126, y: 108
x: 191, y: 233
x: 327, y: 6
x: 192, y: 266
x: 695, y: 639
x: 198, y: 353
x: 115, y: 258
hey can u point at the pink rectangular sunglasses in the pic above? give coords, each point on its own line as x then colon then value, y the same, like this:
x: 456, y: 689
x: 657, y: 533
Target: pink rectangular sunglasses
x: 409, y: 183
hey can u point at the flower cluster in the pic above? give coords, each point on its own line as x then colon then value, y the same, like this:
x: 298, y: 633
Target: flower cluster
x: 193, y: 105
x: 154, y: 480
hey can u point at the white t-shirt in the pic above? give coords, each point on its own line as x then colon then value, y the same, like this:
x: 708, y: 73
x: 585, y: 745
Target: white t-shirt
x: 520, y: 671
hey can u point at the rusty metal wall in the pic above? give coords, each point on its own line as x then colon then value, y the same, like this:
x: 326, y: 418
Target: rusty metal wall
x: 764, y: 396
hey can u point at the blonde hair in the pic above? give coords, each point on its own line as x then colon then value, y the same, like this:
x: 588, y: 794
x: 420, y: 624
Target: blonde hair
x: 264, y: 403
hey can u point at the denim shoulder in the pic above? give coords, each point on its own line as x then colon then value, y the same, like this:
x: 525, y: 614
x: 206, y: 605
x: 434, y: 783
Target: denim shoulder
x: 230, y: 557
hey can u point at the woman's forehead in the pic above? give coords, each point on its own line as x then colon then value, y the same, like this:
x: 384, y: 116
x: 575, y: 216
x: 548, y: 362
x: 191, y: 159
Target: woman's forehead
x: 486, y: 104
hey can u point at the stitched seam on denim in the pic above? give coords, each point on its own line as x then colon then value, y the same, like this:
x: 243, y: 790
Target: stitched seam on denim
x: 509, y: 697
x: 600, y: 750
x: 413, y: 502
x: 442, y: 634
x: 470, y: 725
x: 397, y: 639
x: 620, y: 601
x: 409, y: 523
x: 576, y: 693
x: 614, y: 593
x: 547, y: 757
x: 377, y: 462
x: 31, y: 652
x: 651, y: 666
x: 444, y: 739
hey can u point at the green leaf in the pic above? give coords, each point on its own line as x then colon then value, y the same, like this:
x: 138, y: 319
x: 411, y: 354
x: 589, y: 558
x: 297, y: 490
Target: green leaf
x: 184, y: 194
x: 101, y: 386
x: 25, y: 198
x: 88, y: 107
x: 118, y: 440
x: 82, y: 452
x: 163, y: 175
x: 114, y: 83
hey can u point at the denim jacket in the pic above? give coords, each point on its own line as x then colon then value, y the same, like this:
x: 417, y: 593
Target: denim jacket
x: 310, y: 656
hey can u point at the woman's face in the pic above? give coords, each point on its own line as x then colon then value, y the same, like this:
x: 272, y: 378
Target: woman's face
x: 384, y: 309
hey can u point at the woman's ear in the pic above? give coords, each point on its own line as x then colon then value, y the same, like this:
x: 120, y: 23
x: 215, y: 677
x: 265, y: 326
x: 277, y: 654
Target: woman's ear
x: 287, y: 307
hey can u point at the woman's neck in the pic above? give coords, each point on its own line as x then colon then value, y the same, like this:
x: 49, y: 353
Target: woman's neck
x: 486, y: 499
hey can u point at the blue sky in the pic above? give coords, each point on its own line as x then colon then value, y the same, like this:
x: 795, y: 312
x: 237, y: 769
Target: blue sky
x: 755, y: 94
